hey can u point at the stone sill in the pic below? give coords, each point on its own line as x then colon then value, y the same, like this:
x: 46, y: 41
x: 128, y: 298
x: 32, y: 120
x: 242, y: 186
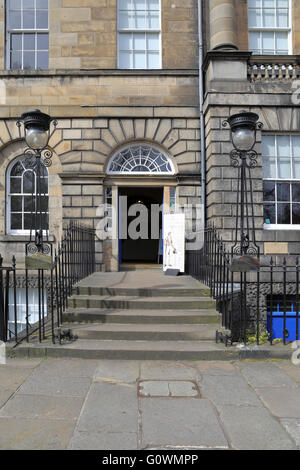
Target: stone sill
x: 20, y: 238
x: 98, y: 72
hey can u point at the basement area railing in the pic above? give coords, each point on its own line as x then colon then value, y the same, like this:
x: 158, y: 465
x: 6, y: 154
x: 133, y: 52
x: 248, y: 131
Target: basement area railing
x: 256, y: 306
x: 32, y: 301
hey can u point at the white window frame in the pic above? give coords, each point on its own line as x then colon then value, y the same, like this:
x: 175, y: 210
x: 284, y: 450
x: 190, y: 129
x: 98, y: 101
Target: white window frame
x: 23, y: 31
x: 281, y: 180
x: 139, y: 31
x: 288, y: 30
x: 33, y: 308
x: 10, y: 231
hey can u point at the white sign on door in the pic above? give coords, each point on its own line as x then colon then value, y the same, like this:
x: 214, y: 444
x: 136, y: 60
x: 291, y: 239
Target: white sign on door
x: 174, y: 241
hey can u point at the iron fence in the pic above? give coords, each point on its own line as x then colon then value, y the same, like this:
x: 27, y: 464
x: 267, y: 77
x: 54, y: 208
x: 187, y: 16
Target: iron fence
x: 32, y: 301
x: 256, y: 305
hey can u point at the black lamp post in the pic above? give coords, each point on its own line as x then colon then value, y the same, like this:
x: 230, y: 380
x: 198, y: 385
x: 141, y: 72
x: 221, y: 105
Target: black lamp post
x: 38, y: 158
x: 243, y: 129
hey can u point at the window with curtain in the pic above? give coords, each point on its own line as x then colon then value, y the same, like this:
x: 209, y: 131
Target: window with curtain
x: 281, y: 175
x: 21, y: 187
x: 139, y: 31
x: 269, y: 26
x: 27, y: 34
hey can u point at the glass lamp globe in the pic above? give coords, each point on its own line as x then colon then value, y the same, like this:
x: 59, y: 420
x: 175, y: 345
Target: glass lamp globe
x: 36, y: 138
x: 243, y: 138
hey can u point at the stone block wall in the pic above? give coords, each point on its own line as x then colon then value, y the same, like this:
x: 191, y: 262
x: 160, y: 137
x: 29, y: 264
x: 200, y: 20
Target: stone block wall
x: 83, y: 34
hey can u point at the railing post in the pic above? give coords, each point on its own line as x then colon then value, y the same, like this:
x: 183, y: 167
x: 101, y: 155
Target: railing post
x: 3, y: 327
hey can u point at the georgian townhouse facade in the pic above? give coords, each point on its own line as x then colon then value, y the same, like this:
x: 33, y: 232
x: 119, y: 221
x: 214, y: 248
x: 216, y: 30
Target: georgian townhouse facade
x: 122, y: 79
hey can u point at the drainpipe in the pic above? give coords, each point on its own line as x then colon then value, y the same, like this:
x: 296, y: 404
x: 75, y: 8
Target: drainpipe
x: 202, y: 121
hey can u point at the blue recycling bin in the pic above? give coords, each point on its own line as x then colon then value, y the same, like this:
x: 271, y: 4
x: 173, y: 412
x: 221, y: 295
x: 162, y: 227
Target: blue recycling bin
x: 278, y: 323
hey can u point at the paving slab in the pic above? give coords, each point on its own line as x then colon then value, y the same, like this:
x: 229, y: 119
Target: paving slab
x: 228, y: 390
x: 154, y: 388
x: 183, y: 389
x: 12, y: 377
x: 117, y: 371
x: 167, y: 370
x: 265, y: 375
x: 180, y: 422
x: 41, y: 407
x: 216, y: 368
x: 282, y: 402
x: 292, y: 426
x: 56, y: 386
x: 5, y: 394
x: 83, y: 440
x: 34, y: 434
x: 110, y: 408
x: 66, y: 368
x: 291, y: 370
x: 252, y: 428
x: 24, y: 363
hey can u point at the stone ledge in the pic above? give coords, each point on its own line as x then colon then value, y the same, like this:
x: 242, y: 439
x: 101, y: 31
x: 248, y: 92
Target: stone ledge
x: 97, y: 72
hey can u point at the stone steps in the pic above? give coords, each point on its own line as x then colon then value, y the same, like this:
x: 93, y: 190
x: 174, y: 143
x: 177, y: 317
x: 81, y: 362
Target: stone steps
x: 140, y: 303
x: 144, y: 332
x: 145, y: 316
x: 129, y: 292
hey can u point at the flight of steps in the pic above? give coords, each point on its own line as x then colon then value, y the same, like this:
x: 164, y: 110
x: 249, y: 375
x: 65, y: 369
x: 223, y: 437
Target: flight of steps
x: 171, y: 323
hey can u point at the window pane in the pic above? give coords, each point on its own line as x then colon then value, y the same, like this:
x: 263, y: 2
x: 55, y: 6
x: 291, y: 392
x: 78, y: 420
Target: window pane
x: 42, y: 4
x: 153, y: 60
x: 268, y: 18
x: 16, y: 60
x: 125, y: 4
x: 254, y: 18
x: 152, y: 42
x: 16, y: 203
x: 153, y: 4
x: 140, y: 20
x: 42, y: 60
x: 16, y: 42
x: 269, y: 167
x: 14, y: 4
x: 16, y: 222
x: 14, y: 20
x: 124, y: 60
x: 268, y: 145
x: 29, y: 222
x: 15, y: 185
x: 296, y: 192
x: 281, y: 41
x: 17, y: 169
x: 254, y: 3
x: 296, y: 214
x: 296, y: 145
x: 269, y: 214
x: 254, y: 41
x: 269, y: 191
x: 28, y: 4
x: 268, y: 41
x: 43, y: 41
x: 282, y: 18
x: 29, y: 42
x: 29, y: 60
x: 126, y: 20
x: 283, y: 192
x: 269, y: 3
x: 296, y: 168
x: 139, y: 4
x: 42, y: 19
x: 29, y: 203
x: 283, y: 213
x: 44, y: 186
x: 139, y: 42
x: 28, y: 19
x: 125, y: 42
x: 283, y: 145
x: 153, y: 20
x: 139, y: 60
x: 284, y: 168
x: 28, y: 182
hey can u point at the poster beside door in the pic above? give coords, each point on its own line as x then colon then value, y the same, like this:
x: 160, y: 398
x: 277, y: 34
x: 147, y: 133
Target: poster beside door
x: 174, y: 241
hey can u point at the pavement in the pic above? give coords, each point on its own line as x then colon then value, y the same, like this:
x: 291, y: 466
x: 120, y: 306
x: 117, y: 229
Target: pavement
x: 127, y: 405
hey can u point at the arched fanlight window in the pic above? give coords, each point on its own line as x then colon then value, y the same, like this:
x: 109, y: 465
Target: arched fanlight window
x: 21, y: 189
x: 140, y: 159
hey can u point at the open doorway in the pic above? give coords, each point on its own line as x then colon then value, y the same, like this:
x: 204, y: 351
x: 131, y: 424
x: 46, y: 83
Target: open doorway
x: 140, y: 251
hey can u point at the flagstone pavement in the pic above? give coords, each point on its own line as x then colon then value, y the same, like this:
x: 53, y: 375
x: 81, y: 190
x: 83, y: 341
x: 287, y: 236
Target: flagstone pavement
x: 118, y: 405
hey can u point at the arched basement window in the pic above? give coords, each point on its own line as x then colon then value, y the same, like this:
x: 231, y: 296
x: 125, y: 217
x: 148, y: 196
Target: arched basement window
x: 140, y: 159
x: 21, y: 187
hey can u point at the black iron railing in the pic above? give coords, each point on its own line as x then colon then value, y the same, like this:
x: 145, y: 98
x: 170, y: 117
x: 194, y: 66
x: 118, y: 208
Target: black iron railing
x: 253, y: 304
x: 32, y: 301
